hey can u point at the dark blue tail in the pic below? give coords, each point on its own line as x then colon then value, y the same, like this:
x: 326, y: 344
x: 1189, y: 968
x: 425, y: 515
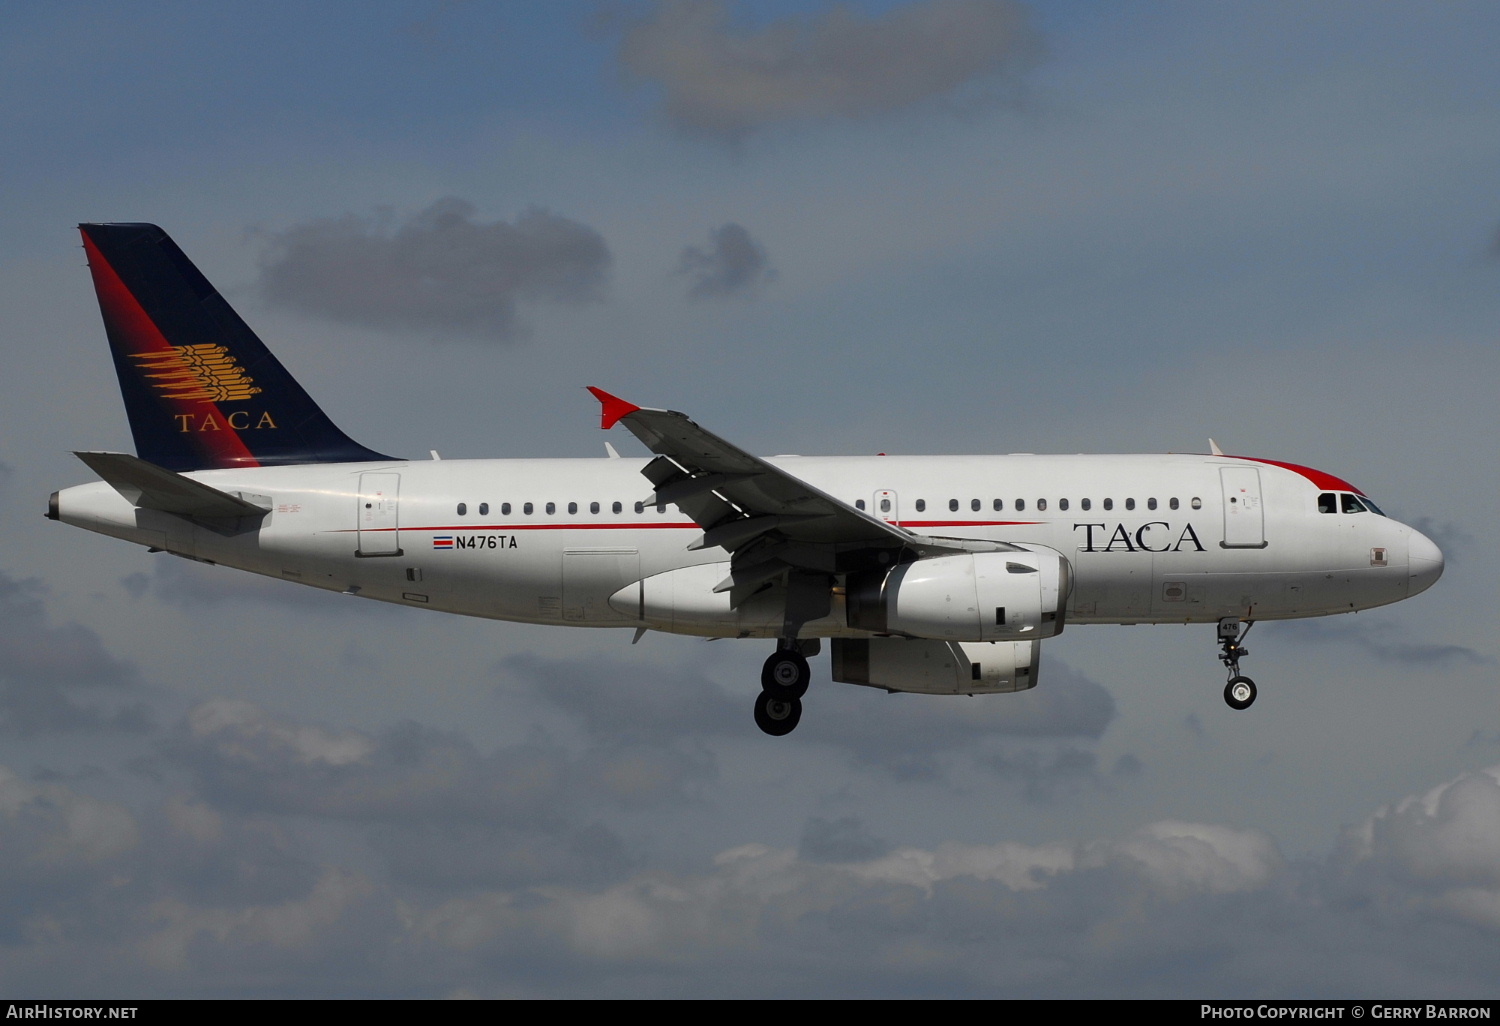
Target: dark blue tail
x: 201, y: 390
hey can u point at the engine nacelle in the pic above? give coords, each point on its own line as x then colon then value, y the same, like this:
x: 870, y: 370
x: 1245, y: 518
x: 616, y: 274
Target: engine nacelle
x: 972, y: 596
x: 937, y: 667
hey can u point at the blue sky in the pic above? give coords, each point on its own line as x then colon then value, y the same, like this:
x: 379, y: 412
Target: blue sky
x: 968, y: 227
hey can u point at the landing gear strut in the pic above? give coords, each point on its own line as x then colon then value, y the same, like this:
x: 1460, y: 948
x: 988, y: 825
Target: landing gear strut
x: 1239, y: 693
x: 783, y: 682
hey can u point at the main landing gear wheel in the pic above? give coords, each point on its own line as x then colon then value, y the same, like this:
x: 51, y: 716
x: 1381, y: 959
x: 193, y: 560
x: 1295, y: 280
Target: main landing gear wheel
x: 777, y: 716
x: 785, y: 675
x: 1239, y: 692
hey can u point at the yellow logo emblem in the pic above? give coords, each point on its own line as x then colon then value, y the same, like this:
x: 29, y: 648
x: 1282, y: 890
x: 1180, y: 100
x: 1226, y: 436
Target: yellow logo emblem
x: 200, y: 373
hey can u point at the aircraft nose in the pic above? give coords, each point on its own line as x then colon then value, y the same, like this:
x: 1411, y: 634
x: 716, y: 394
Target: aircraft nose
x: 1424, y: 562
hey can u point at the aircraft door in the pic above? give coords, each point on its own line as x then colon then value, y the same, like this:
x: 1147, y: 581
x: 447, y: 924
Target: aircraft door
x: 885, y: 506
x: 1244, y: 517
x: 378, y: 516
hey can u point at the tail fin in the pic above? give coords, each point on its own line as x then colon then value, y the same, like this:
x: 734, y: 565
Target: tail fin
x: 201, y: 390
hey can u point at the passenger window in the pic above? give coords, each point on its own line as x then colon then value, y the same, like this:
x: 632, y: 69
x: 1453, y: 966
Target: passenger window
x: 593, y: 507
x: 484, y: 509
x: 921, y: 505
x: 999, y: 505
x: 1150, y: 503
x: 859, y: 503
x: 616, y: 508
x: 662, y: 508
x: 1109, y: 503
x: 1041, y: 505
x: 1130, y: 504
x: 1197, y: 502
x: 1062, y: 504
x: 1172, y: 503
x: 551, y: 508
x: 640, y: 507
x: 505, y: 509
x: 463, y: 509
x: 527, y: 509
x: 975, y: 505
x: 1020, y: 505
x: 1087, y: 504
x: 953, y: 505
x: 885, y: 505
x: 1327, y: 503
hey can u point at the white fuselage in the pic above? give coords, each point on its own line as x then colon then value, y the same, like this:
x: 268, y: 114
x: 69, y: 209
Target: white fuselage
x: 1151, y: 539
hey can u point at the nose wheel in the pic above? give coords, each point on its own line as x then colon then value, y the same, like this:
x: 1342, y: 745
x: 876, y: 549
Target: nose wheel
x: 1240, y: 692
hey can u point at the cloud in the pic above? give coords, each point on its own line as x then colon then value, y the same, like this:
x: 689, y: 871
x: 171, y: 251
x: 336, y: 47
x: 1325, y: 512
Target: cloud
x: 839, y: 840
x: 1435, y: 851
x: 1449, y: 536
x: 59, y: 677
x: 725, y: 79
x: 1050, y: 774
x: 1381, y: 640
x: 733, y: 265
x: 443, y: 813
x: 632, y: 702
x: 441, y: 272
x: 199, y: 894
x: 1064, y: 705
x: 249, y: 759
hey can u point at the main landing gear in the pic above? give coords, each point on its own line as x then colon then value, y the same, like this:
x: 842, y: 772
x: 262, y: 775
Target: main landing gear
x: 1239, y: 693
x: 783, y: 682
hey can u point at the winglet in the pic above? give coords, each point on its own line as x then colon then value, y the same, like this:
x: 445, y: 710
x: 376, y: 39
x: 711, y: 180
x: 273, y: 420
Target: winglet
x: 613, y: 408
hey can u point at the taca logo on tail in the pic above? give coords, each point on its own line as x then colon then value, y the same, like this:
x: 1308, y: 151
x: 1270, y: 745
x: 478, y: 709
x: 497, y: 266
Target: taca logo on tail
x: 201, y: 389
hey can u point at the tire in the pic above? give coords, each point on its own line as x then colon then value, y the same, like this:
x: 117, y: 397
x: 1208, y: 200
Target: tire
x: 776, y: 716
x: 786, y: 675
x: 1239, y: 693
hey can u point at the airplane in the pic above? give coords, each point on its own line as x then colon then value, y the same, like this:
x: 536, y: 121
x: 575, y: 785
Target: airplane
x: 926, y: 574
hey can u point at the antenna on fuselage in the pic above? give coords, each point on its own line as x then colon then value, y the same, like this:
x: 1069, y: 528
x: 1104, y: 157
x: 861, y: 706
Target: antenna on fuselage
x: 1213, y: 447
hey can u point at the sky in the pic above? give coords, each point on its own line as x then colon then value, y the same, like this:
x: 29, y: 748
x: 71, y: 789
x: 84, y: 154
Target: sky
x: 923, y: 226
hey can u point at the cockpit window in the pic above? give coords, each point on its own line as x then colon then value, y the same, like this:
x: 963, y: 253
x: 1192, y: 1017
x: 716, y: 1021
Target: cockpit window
x: 1344, y: 502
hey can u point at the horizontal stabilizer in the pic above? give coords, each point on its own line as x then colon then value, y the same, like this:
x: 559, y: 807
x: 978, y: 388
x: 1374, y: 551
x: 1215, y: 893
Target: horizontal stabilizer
x: 148, y: 486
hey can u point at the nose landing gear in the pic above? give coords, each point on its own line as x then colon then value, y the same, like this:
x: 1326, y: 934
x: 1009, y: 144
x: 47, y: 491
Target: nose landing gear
x: 1240, y: 692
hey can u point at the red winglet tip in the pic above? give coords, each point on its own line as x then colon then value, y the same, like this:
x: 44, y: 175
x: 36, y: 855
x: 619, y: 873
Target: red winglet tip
x: 613, y: 407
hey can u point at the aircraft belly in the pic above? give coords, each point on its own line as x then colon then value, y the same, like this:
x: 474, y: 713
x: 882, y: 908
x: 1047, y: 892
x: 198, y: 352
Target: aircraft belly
x: 1111, y: 586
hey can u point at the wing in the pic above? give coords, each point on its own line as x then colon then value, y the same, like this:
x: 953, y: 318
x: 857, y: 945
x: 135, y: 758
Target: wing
x: 777, y: 528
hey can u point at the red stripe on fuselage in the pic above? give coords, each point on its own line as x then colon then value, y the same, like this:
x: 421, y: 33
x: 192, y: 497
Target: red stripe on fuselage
x: 124, y: 313
x: 668, y: 526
